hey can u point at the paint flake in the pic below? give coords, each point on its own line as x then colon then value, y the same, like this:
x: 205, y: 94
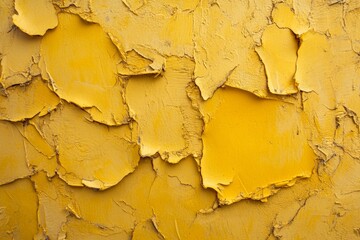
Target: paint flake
x: 179, y: 119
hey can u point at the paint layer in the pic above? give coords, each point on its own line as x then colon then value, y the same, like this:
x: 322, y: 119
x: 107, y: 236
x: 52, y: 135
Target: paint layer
x: 166, y: 119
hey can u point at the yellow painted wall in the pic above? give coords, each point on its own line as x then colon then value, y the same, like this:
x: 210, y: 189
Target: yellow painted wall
x: 179, y: 119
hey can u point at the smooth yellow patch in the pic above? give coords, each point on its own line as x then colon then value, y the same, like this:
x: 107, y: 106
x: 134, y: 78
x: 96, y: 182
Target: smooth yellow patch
x: 279, y: 54
x: 252, y: 146
x: 35, y: 22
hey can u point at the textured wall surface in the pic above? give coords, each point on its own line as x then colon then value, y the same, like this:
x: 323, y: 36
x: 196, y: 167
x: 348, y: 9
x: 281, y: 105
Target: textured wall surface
x: 179, y: 119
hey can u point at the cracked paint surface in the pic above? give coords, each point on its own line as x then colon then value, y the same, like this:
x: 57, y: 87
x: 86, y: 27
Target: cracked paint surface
x: 142, y: 119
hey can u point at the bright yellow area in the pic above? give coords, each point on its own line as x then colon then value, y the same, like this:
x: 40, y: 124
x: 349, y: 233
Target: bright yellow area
x: 284, y: 17
x: 252, y: 146
x: 35, y: 24
x: 314, y: 60
x: 279, y: 54
x: 79, y: 60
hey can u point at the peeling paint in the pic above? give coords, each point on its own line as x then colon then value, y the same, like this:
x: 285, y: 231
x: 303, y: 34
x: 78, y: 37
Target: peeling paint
x: 279, y: 55
x: 212, y: 119
x: 27, y: 101
x: 269, y: 138
x: 32, y: 22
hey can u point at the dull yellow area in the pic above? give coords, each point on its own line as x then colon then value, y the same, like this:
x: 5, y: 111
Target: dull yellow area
x: 19, y: 58
x: 71, y: 133
x: 13, y: 163
x: 168, y: 124
x: 15, y: 199
x: 142, y: 119
x: 27, y: 101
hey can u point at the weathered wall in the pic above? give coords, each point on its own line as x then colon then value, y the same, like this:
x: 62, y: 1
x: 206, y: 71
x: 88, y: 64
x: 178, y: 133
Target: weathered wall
x: 166, y: 119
